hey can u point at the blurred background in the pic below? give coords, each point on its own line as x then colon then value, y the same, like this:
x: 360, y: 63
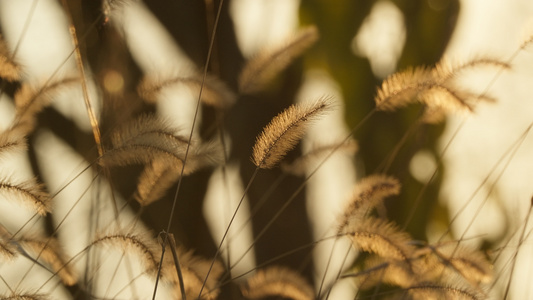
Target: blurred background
x: 481, y: 162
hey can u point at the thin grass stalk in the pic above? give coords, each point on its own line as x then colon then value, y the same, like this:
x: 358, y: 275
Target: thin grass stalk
x: 204, y: 76
x: 506, y: 265
x: 330, y: 257
x: 386, y: 164
x: 418, y: 198
x: 511, y: 151
x: 520, y: 242
x: 83, y: 77
x: 58, y: 226
x: 262, y: 201
x: 114, y: 274
x: 226, y: 281
x: 454, y: 135
x: 172, y: 244
x: 339, y: 273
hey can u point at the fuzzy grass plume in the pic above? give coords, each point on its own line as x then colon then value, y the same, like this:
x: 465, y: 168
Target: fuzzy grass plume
x: 262, y: 68
x: 434, y: 87
x: 9, y: 69
x: 277, y: 282
x: 284, y: 131
x: 28, y: 192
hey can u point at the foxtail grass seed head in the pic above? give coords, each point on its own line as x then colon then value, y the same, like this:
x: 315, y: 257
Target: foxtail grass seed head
x: 12, y: 141
x: 400, y: 89
x: 262, y: 68
x: 31, y: 99
x: 7, y: 251
x: 214, y: 92
x: 468, y: 263
x: 29, y: 192
x: 368, y: 193
x: 381, y: 237
x: 393, y: 272
x: 431, y: 290
x: 284, y: 131
x: 433, y: 87
x: 154, y: 181
x: 9, y: 69
x: 144, y: 246
x: 277, y: 282
x: 25, y: 296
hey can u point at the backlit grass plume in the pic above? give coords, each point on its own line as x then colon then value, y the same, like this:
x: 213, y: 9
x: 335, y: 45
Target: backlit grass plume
x: 381, y: 237
x: 214, y: 92
x: 434, y: 87
x: 9, y: 69
x: 262, y: 68
x: 454, y: 260
x: 7, y: 251
x: 24, y: 296
x: 28, y: 192
x: 284, y: 131
x: 277, y: 282
x: 436, y: 291
x: 148, y: 138
x: 30, y: 99
x: 11, y: 141
x: 378, y: 270
x: 146, y: 249
x: 367, y: 194
x: 156, y: 178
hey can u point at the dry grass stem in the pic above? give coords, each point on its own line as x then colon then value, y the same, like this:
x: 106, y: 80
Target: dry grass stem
x: 277, y: 282
x: 284, y: 131
x: 194, y: 269
x: 261, y: 69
